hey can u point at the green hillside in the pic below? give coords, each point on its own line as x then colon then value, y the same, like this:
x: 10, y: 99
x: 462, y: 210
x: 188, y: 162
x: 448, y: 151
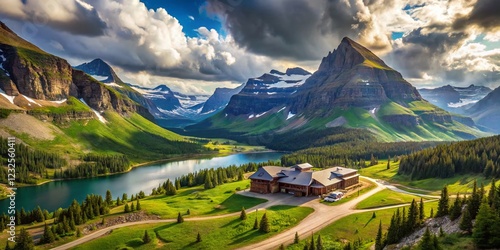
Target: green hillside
x: 138, y: 138
x: 377, y: 122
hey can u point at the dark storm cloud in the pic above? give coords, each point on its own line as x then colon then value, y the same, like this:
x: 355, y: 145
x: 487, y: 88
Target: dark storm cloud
x: 82, y: 20
x: 435, y: 42
x: 423, y: 52
x: 485, y: 14
x: 297, y: 29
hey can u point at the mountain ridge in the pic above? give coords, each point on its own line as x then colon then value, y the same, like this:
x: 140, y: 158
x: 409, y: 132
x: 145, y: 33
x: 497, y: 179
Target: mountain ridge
x: 352, y: 88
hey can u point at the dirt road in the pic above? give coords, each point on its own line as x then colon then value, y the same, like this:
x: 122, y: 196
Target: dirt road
x: 322, y: 216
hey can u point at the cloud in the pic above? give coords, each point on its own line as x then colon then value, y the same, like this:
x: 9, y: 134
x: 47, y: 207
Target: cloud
x: 298, y: 29
x: 485, y: 15
x: 138, y: 39
x: 191, y: 17
x: 75, y: 17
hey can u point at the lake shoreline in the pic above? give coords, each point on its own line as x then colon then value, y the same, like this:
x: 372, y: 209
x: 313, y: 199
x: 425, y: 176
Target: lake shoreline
x: 144, y: 164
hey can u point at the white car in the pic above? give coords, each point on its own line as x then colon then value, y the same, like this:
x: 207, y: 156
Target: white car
x: 329, y: 199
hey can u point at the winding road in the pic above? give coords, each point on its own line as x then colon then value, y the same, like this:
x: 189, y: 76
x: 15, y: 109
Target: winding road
x: 322, y: 216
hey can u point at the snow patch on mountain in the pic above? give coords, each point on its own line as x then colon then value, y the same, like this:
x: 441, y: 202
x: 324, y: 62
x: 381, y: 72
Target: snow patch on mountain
x: 463, y: 102
x: 31, y: 101
x: 99, y: 116
x: 99, y: 77
x: 113, y: 84
x: 9, y: 97
x: 290, y: 115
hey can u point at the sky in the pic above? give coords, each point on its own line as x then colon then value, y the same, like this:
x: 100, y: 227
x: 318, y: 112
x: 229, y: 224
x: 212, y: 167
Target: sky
x: 196, y: 46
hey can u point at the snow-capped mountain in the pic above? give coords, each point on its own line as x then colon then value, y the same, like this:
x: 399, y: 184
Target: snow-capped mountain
x: 455, y: 99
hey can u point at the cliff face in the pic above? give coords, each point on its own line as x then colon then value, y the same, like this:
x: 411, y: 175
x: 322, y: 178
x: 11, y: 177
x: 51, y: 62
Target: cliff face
x: 27, y: 70
x: 101, y: 97
x: 352, y: 76
x: 37, y: 75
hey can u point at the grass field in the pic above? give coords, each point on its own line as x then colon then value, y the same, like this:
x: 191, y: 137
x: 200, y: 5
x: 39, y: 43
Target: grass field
x: 225, y: 233
x: 219, y: 200
x: 357, y: 226
x: 459, y: 183
x: 386, y: 197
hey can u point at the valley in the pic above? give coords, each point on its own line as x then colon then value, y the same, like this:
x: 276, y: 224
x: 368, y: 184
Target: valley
x: 139, y: 124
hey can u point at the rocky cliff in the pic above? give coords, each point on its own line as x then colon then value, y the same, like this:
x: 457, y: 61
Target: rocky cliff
x: 27, y: 70
x: 352, y: 76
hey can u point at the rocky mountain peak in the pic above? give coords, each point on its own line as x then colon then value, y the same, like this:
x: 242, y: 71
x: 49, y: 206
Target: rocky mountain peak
x: 348, y: 55
x: 162, y: 87
x: 297, y: 71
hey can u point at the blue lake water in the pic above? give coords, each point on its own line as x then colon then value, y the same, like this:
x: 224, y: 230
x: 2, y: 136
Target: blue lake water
x: 57, y: 194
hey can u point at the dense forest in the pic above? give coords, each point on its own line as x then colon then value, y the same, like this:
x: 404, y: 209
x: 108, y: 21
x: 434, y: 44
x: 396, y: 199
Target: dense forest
x: 353, y: 154
x: 94, y: 165
x: 29, y: 162
x: 443, y: 161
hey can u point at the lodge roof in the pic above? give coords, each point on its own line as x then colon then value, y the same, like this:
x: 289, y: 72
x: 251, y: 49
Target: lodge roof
x: 289, y: 175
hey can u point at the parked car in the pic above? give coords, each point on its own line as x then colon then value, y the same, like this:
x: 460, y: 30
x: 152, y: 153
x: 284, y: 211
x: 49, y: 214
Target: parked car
x: 329, y: 199
x: 336, y: 195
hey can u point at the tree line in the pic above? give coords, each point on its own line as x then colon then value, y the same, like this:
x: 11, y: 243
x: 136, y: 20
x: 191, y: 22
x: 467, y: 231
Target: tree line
x: 444, y: 161
x: 94, y: 165
x: 353, y: 154
x: 30, y: 163
x: 210, y: 178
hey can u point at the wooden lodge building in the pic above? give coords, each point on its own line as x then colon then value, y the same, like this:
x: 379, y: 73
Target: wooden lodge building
x: 301, y: 180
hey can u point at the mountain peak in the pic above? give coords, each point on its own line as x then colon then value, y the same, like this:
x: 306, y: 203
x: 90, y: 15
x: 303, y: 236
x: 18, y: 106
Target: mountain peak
x: 162, y: 87
x: 297, y: 71
x: 350, y: 54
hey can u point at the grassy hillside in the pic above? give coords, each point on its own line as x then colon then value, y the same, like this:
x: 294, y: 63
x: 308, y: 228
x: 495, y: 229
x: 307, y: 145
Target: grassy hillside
x: 430, y: 124
x: 138, y: 138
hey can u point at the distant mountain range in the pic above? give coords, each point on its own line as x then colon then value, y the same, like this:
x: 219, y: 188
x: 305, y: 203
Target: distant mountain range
x: 486, y: 112
x: 352, y: 88
x: 170, y: 108
x: 455, y: 99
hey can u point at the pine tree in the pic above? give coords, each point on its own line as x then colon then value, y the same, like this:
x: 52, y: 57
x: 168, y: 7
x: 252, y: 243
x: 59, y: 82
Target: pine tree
x: 127, y: 208
x: 138, y: 205
x: 443, y: 203
x: 474, y: 201
x: 198, y: 238
x: 378, y: 240
x: 180, y: 219
x: 427, y: 241
x: 109, y: 198
x: 24, y: 241
x: 466, y: 222
x: 145, y: 238
x: 421, y: 210
x: 188, y: 212
x: 441, y: 232
x: 389, y: 163
x: 432, y: 213
x: 456, y: 208
x: 312, y: 246
x: 319, y: 243
x: 413, y: 217
x: 48, y: 235
x: 492, y: 193
x: 78, y: 233
x: 243, y: 215
x: 306, y: 246
x: 486, y: 233
x: 264, y: 224
x: 124, y: 197
x: 132, y: 207
x: 118, y: 202
x: 296, y: 240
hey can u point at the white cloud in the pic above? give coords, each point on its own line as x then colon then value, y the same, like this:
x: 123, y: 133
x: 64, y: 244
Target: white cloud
x: 191, y: 17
